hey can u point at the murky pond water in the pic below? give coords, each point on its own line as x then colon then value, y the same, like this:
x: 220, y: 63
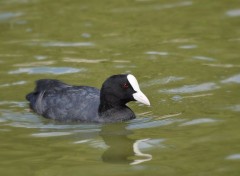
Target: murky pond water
x: 185, y: 55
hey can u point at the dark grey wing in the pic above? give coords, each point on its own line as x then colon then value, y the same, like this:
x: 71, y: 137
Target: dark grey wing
x: 56, y: 100
x: 71, y: 104
x: 43, y: 86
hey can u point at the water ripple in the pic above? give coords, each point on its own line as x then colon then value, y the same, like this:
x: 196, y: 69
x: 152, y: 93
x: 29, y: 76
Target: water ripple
x: 51, y: 134
x: 165, y: 80
x: 13, y: 84
x: 151, y: 123
x: 67, y: 44
x: 232, y: 79
x: 8, y: 15
x: 79, y: 60
x: 47, y: 70
x: 233, y: 13
x: 235, y: 108
x: 233, y: 157
x: 152, y: 7
x: 223, y: 65
x: 39, y: 57
x: 192, y: 88
x: 188, y: 46
x: 13, y: 103
x: 198, y: 121
x: 35, y: 64
x: 204, y: 58
x: 161, y: 53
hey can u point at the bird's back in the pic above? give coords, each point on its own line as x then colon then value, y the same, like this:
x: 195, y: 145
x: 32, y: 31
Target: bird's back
x: 56, y: 100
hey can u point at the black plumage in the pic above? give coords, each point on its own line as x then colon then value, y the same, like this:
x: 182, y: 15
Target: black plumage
x: 56, y: 100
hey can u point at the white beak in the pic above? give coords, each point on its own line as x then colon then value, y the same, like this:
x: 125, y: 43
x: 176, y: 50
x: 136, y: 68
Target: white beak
x: 138, y: 96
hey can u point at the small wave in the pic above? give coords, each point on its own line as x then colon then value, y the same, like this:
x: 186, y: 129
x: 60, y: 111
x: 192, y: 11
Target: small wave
x: 223, y: 65
x: 204, y: 58
x: 162, y: 81
x: 13, y: 84
x: 8, y: 15
x: 67, y: 44
x: 192, y: 88
x: 47, y: 70
x: 235, y: 108
x: 35, y: 64
x: 188, y: 46
x: 51, y: 134
x: 233, y: 13
x: 79, y: 60
x: 233, y: 157
x: 151, y: 123
x: 161, y: 53
x: 13, y: 103
x: 198, y: 121
x: 156, y: 7
x: 232, y: 79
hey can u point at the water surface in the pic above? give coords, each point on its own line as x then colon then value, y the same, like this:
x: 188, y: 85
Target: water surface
x: 185, y: 55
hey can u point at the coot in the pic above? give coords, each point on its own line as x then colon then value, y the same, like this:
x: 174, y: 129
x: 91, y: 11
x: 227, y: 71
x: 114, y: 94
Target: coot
x: 56, y: 100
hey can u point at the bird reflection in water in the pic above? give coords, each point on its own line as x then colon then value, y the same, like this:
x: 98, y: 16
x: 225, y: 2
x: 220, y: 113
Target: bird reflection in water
x: 121, y: 148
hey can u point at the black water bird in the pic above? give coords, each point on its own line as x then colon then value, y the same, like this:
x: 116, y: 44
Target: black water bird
x: 56, y: 100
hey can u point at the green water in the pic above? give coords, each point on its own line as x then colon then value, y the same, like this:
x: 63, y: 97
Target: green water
x: 185, y: 55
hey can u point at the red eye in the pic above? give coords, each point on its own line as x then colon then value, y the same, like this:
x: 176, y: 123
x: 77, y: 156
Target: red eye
x: 125, y: 85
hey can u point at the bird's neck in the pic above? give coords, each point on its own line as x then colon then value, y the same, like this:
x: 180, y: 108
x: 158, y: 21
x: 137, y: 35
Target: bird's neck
x: 110, y: 102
